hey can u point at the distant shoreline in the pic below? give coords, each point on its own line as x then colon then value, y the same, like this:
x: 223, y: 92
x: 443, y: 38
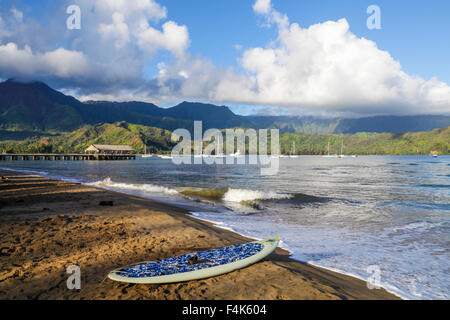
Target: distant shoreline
x: 158, y: 141
x: 49, y: 224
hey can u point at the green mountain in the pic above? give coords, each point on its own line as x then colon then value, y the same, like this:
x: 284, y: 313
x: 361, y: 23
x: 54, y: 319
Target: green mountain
x: 377, y: 124
x: 132, y: 106
x: 35, y: 109
x: 137, y: 136
x: 393, y: 124
x: 159, y: 140
x: 409, y: 143
x: 212, y: 116
x: 297, y: 124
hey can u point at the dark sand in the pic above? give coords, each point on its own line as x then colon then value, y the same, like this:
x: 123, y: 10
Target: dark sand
x: 47, y: 225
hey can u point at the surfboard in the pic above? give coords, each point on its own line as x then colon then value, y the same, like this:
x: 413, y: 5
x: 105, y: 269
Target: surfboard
x: 197, y: 265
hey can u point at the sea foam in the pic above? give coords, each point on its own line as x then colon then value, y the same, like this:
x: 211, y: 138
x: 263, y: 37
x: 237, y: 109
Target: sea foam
x: 151, y: 188
x: 243, y: 195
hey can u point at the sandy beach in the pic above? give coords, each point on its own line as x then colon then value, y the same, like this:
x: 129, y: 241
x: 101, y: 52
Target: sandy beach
x: 48, y: 225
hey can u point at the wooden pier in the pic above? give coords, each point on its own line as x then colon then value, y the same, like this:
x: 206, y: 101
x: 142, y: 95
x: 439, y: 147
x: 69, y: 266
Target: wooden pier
x: 64, y: 157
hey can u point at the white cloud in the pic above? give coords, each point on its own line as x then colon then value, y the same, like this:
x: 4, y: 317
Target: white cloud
x: 118, y: 30
x: 327, y: 67
x: 131, y: 25
x: 115, y: 42
x: 173, y: 38
x: 183, y: 74
x: 129, y: 9
x: 262, y: 6
x: 322, y: 68
x: 23, y: 62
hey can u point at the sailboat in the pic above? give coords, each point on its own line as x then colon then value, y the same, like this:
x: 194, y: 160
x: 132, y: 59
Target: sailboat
x: 342, y: 155
x: 236, y: 155
x: 218, y: 155
x: 293, y: 155
x: 329, y: 155
x: 146, y: 155
x: 162, y: 156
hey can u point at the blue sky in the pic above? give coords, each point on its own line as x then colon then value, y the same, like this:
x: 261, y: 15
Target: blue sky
x: 417, y: 32
x: 228, y: 52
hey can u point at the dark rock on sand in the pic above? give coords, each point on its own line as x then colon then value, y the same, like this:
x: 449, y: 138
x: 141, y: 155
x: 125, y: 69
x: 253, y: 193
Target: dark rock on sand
x: 106, y: 203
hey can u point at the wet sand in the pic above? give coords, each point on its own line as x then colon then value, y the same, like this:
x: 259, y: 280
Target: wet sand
x: 47, y: 226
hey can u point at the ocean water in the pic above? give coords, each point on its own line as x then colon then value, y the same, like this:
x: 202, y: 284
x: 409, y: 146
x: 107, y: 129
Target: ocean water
x: 385, y: 219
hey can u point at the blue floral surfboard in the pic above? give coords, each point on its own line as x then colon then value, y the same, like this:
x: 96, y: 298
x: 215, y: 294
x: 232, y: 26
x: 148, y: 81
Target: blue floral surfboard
x: 197, y: 265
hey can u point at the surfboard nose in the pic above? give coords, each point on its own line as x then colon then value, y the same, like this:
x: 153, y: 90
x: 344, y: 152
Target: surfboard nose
x: 272, y: 241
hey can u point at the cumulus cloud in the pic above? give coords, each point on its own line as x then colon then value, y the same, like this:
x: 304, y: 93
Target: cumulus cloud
x: 117, y: 39
x: 117, y: 30
x: 262, y: 6
x: 173, y: 38
x: 133, y: 28
x: 327, y: 66
x: 60, y: 62
x: 129, y: 9
x: 131, y: 24
x: 324, y: 68
x: 320, y: 68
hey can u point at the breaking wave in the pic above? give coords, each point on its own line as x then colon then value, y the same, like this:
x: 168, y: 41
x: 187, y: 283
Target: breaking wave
x: 151, y: 188
x: 246, y: 196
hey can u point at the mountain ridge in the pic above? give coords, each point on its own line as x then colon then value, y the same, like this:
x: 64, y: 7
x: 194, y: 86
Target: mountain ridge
x: 156, y: 140
x: 36, y: 107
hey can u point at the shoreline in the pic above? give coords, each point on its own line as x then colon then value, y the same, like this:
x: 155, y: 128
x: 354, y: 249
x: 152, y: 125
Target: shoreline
x: 72, y: 228
x: 290, y: 253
